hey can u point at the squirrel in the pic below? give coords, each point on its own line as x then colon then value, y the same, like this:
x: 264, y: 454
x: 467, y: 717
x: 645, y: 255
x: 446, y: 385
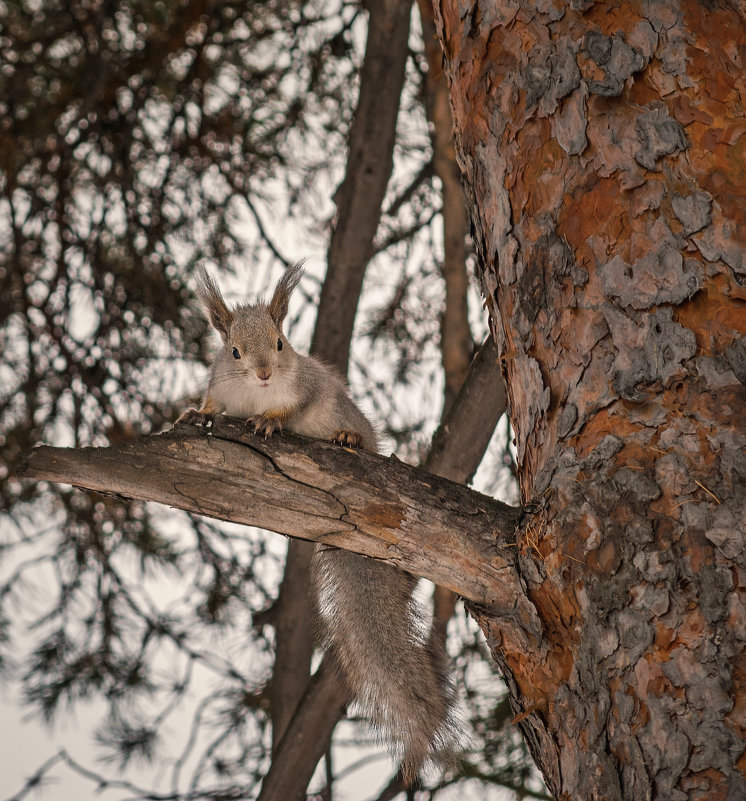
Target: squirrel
x: 370, y: 622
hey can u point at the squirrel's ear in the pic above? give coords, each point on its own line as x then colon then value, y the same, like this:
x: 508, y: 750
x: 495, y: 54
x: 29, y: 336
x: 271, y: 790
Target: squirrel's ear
x: 278, y: 306
x: 218, y: 313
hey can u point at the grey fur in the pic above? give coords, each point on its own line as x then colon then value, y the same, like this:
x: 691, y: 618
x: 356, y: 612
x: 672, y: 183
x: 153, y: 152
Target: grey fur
x: 370, y: 621
x: 374, y: 628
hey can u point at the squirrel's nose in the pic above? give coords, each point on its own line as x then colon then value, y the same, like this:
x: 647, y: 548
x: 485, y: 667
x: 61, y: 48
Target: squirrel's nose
x: 263, y: 373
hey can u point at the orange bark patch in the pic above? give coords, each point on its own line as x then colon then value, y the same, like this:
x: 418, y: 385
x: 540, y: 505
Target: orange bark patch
x: 603, y: 423
x: 692, y: 628
x: 736, y: 157
x: 384, y: 516
x: 708, y: 784
x: 543, y: 173
x: 642, y: 93
x: 650, y: 679
x: 714, y: 317
x: 611, y: 18
x: 558, y: 611
x: 698, y: 550
x: 539, y: 681
x: 686, y: 112
x: 606, y: 559
x: 449, y: 13
x: 594, y: 209
x: 664, y: 637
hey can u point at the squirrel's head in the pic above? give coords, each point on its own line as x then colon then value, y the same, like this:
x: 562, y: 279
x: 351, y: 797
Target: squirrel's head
x: 252, y: 334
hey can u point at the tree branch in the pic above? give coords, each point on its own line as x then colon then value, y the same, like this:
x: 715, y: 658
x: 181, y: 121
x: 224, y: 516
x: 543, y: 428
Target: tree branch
x: 312, y: 490
x: 461, y: 439
x: 318, y: 491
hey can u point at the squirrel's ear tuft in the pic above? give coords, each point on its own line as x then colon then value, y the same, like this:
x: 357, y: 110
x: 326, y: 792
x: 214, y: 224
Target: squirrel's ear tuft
x: 278, y: 306
x: 218, y: 313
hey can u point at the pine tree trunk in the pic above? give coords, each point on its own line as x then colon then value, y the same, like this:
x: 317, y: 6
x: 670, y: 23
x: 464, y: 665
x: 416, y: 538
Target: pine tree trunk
x: 604, y: 148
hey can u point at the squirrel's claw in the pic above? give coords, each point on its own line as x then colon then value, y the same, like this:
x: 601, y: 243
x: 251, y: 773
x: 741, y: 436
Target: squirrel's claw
x: 264, y: 426
x: 194, y: 417
x: 349, y: 439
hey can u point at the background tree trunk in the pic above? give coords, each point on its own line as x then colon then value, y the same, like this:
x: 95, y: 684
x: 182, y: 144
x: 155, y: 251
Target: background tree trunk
x: 358, y: 198
x: 604, y: 150
x: 455, y: 335
x: 360, y: 195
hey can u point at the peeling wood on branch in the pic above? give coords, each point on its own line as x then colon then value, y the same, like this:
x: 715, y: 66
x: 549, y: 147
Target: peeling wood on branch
x: 312, y: 490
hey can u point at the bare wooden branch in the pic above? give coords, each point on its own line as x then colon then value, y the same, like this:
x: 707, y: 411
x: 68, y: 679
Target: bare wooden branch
x: 317, y: 491
x: 312, y: 490
x: 461, y: 439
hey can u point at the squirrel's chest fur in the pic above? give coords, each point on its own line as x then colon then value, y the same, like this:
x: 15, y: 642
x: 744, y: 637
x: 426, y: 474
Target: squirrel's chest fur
x: 304, y: 395
x: 244, y: 396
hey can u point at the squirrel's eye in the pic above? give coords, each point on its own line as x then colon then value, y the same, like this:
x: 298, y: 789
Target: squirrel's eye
x: 279, y: 344
x: 236, y: 354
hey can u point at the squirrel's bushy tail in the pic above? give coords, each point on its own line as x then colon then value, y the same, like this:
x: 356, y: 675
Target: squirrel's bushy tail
x: 371, y: 623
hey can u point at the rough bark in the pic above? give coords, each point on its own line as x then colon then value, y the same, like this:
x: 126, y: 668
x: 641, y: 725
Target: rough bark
x: 314, y: 490
x: 604, y: 149
x: 456, y: 453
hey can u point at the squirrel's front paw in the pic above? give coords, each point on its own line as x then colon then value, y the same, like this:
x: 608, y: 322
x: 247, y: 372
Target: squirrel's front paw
x: 350, y: 439
x: 264, y: 426
x: 194, y: 418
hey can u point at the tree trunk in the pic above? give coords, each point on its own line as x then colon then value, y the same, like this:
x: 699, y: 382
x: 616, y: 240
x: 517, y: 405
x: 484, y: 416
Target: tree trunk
x: 359, y: 198
x: 369, y: 162
x: 455, y: 335
x: 604, y: 148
